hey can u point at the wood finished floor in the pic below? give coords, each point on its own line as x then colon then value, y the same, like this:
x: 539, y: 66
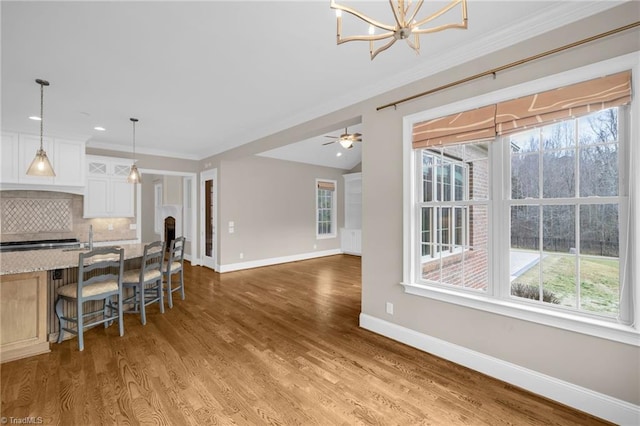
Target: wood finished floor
x: 276, y: 345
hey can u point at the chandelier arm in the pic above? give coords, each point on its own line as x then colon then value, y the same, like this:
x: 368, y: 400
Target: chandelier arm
x: 365, y: 37
x: 382, y: 48
x: 415, y: 46
x: 440, y: 28
x: 399, y: 9
x: 445, y: 9
x: 415, y: 11
x: 365, y: 18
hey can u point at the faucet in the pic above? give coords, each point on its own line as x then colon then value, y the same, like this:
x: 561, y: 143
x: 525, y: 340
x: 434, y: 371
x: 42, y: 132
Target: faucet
x: 90, y: 237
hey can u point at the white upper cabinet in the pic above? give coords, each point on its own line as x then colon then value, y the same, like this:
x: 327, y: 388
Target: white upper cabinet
x: 9, y: 152
x: 66, y: 156
x: 107, y: 192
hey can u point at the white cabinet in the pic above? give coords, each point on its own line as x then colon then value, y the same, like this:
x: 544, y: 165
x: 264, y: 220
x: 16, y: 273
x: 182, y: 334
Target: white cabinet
x: 66, y: 156
x: 351, y: 234
x: 9, y: 152
x: 107, y: 192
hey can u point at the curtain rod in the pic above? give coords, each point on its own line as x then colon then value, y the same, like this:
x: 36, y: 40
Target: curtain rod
x: 512, y: 64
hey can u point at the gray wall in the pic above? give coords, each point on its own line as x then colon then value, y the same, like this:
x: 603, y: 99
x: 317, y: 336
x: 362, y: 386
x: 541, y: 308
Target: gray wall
x: 272, y: 204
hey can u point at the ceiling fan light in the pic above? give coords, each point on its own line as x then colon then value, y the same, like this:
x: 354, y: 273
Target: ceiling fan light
x: 346, y: 143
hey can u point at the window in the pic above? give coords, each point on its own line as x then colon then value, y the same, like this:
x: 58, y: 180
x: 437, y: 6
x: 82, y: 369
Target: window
x: 325, y: 208
x: 534, y: 222
x: 564, y: 208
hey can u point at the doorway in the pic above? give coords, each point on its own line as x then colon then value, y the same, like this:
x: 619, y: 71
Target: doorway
x: 208, y: 193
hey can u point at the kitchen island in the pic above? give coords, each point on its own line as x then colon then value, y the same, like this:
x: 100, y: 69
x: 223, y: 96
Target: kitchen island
x: 28, y: 280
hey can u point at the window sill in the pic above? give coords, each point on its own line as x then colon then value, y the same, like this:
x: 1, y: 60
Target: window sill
x: 598, y: 328
x: 325, y: 237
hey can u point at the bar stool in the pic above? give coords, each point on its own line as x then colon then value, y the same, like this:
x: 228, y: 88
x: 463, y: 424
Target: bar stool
x: 146, y: 282
x: 100, y: 274
x: 174, y: 265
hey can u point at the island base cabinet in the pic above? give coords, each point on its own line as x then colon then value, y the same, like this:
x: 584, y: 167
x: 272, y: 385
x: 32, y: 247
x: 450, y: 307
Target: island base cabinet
x: 23, y: 315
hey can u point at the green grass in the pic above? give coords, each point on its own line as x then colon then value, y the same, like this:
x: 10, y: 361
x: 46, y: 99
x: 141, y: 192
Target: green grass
x: 599, y: 282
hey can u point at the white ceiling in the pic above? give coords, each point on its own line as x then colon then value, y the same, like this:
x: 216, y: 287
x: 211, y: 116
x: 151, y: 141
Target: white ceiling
x: 204, y: 77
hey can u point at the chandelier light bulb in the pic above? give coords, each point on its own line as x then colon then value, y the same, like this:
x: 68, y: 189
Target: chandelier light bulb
x: 372, y: 30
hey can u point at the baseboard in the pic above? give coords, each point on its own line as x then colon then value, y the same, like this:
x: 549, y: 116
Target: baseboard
x: 580, y: 398
x: 276, y: 260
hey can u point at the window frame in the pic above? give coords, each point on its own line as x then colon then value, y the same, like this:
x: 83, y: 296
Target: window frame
x: 333, y: 210
x: 496, y: 299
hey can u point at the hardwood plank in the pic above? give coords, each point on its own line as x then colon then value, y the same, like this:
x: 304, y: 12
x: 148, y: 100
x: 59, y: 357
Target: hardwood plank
x: 273, y: 345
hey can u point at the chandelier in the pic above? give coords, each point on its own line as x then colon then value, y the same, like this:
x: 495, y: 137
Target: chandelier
x: 407, y: 26
x: 134, y: 173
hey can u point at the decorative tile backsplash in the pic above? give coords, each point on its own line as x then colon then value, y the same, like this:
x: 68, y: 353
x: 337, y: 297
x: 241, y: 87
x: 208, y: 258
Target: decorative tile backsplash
x: 28, y: 215
x: 44, y: 215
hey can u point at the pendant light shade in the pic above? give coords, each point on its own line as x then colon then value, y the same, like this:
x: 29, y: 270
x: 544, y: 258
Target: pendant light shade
x: 134, y: 174
x: 41, y: 166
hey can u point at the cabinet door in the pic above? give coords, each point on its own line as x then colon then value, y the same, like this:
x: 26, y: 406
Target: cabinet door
x: 70, y: 162
x: 97, y: 197
x: 122, y: 192
x: 9, y: 158
x: 29, y: 145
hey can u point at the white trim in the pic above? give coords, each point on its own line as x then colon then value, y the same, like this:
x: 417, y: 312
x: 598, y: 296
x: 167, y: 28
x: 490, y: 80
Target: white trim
x: 139, y: 150
x: 583, y: 399
x: 276, y: 260
x: 629, y: 334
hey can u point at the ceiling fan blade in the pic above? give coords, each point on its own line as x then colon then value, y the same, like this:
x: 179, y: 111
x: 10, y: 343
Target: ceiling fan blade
x: 356, y: 135
x: 334, y: 137
x: 328, y: 143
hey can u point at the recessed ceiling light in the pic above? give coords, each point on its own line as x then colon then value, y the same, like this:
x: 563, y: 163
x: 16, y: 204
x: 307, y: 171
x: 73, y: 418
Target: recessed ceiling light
x: 33, y: 117
x: 339, y: 154
x: 100, y: 129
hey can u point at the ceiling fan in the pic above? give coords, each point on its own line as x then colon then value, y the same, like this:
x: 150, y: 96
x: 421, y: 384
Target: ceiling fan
x: 346, y: 139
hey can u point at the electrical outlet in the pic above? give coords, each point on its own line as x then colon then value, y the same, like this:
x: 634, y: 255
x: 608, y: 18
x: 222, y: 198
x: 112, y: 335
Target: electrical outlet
x: 241, y: 255
x: 390, y: 308
x: 110, y: 227
x: 133, y: 226
x: 315, y: 246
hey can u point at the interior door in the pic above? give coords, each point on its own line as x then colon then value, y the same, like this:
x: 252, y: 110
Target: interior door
x: 208, y: 192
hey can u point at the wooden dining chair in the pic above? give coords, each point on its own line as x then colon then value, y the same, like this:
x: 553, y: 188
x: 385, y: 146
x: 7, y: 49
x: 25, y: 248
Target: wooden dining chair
x: 146, y: 281
x: 174, y: 265
x: 100, y: 273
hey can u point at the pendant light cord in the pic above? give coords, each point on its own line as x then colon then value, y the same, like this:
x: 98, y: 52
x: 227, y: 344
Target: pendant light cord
x: 134, y: 141
x: 41, y: 112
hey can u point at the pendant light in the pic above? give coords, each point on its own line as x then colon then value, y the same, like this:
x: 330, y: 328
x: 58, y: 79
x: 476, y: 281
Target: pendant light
x: 134, y: 174
x: 40, y: 166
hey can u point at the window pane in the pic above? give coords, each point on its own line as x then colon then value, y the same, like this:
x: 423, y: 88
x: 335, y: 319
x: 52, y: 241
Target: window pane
x: 599, y: 127
x: 459, y: 183
x: 446, y: 179
x: 525, y: 228
x: 600, y: 285
x: 427, y: 215
x: 559, y: 279
x: 445, y: 224
x: 559, y: 229
x: 525, y: 274
x: 559, y: 135
x: 458, y: 231
x: 558, y: 169
x: 599, y: 232
x: 439, y: 171
x: 525, y: 176
x: 599, y: 170
x: 476, y: 272
x: 525, y: 142
x: 427, y: 177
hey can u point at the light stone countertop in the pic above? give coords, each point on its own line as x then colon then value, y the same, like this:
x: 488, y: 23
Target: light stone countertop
x: 18, y: 262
